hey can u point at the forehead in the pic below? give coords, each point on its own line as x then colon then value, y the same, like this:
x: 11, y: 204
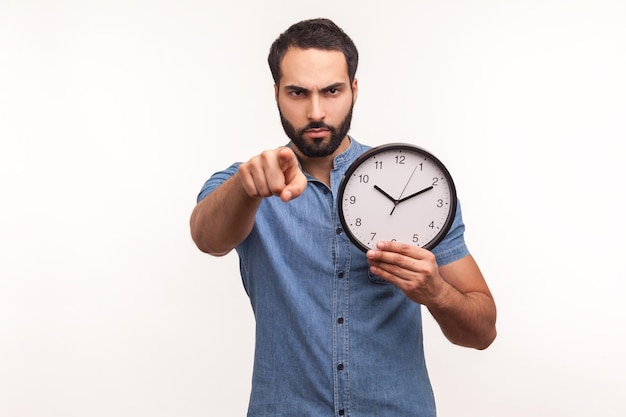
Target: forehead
x: 313, y: 67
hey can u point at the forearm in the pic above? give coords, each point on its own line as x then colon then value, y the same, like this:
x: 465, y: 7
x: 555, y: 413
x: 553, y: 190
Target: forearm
x: 466, y: 319
x: 223, y: 218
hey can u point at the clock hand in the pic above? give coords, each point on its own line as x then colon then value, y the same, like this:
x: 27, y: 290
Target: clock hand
x: 407, y: 183
x: 395, y: 202
x: 386, y: 195
x: 415, y: 194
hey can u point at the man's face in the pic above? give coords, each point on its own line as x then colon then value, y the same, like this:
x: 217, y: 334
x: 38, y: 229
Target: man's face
x: 315, y: 100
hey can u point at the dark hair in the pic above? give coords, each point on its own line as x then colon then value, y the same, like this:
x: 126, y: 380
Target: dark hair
x: 313, y: 33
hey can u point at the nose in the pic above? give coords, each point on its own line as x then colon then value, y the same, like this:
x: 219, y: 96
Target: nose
x: 316, y: 108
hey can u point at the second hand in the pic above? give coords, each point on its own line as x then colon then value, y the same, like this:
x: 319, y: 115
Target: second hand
x: 404, y: 189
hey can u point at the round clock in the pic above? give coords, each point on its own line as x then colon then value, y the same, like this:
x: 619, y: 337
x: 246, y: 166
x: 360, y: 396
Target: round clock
x: 397, y: 192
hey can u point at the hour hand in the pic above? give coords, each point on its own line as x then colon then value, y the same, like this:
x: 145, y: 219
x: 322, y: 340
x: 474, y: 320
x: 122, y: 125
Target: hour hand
x: 385, y: 194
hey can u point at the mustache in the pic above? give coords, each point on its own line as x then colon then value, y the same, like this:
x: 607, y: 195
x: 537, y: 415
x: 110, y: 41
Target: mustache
x: 317, y: 125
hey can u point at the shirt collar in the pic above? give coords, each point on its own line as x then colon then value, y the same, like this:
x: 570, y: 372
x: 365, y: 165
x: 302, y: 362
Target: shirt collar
x: 347, y: 156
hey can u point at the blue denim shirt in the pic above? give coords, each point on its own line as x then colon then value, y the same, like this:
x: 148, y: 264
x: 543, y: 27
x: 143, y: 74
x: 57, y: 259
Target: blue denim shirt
x: 332, y: 339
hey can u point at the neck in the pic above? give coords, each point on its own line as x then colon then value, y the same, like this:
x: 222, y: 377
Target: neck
x: 320, y: 167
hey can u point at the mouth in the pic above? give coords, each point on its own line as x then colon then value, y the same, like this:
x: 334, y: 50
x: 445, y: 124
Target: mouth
x: 316, y: 132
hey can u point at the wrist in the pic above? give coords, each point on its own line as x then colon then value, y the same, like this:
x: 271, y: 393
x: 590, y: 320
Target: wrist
x: 442, y: 296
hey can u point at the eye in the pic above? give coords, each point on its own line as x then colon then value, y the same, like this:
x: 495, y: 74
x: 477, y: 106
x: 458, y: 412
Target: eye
x: 333, y: 91
x: 297, y: 93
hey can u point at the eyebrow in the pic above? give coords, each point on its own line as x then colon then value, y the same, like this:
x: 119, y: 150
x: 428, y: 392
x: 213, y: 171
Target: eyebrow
x: 333, y: 86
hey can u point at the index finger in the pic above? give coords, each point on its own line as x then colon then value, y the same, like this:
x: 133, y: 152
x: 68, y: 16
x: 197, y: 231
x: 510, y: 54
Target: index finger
x: 388, y: 249
x: 295, y: 180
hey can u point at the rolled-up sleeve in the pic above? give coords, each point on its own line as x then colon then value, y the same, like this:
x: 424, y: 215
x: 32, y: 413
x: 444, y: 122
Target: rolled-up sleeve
x: 452, y: 247
x: 216, y: 180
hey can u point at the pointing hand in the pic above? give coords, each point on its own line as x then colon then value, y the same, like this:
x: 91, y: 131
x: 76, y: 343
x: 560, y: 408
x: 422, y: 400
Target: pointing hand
x: 274, y: 172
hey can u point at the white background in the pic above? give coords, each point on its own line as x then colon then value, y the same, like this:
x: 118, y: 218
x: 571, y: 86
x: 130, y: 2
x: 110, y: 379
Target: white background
x: 114, y: 113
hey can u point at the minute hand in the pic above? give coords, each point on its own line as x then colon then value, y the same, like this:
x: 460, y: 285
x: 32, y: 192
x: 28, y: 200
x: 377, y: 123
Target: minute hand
x: 414, y: 194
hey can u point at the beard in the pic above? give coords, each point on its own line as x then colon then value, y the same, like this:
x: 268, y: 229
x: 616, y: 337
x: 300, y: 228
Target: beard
x: 317, y: 148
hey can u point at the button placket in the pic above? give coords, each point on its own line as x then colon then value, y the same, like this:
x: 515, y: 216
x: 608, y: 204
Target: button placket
x: 340, y: 307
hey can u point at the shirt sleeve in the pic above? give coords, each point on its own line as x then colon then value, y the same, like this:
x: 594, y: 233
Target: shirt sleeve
x: 452, y: 247
x: 216, y: 180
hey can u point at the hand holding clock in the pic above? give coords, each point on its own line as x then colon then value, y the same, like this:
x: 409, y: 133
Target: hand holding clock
x: 455, y: 294
x: 412, y: 269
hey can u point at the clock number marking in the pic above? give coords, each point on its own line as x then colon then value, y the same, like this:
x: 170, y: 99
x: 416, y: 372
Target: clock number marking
x: 357, y: 221
x: 379, y: 164
x: 415, y: 238
x: 400, y: 159
x: 435, y: 181
x: 352, y: 199
x: 364, y: 178
x: 432, y: 225
x: 440, y: 203
x: 373, y: 236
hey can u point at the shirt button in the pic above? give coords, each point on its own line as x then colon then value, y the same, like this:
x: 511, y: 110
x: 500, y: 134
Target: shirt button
x: 340, y: 274
x: 325, y: 190
x: 340, y: 320
x: 339, y: 230
x: 340, y: 367
x: 341, y: 412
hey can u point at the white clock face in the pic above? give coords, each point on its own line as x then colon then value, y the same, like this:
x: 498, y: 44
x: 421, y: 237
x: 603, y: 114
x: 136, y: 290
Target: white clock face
x: 397, y: 192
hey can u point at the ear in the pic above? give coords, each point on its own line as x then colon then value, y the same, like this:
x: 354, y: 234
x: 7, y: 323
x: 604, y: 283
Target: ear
x: 355, y: 90
x: 276, y: 92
